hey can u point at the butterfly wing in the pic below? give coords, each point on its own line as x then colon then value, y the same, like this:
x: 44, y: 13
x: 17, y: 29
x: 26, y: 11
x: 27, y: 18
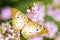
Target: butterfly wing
x: 33, y: 28
x: 29, y: 28
x: 18, y: 19
x: 40, y: 29
x: 28, y: 31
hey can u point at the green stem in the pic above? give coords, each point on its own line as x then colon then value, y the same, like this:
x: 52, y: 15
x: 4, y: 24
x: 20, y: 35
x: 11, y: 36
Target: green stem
x: 0, y: 28
x: 10, y: 21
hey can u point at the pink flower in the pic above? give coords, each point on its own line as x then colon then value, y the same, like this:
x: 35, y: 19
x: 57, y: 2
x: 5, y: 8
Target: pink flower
x: 0, y: 35
x: 52, y: 29
x: 10, y: 36
x: 36, y: 38
x: 36, y: 12
x: 5, y: 27
x: 56, y: 2
x: 50, y: 10
x: 57, y: 37
x: 2, y: 39
x: 9, y: 32
x: 57, y: 15
x: 54, y: 12
x: 6, y: 13
x: 7, y: 38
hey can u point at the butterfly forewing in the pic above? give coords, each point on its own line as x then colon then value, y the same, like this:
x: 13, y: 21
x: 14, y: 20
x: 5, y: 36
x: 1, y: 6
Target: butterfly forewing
x: 18, y: 19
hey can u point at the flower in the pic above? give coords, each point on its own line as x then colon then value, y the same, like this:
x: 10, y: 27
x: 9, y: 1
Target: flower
x: 57, y: 15
x: 57, y: 37
x: 7, y: 38
x: 5, y: 27
x: 6, y: 13
x: 52, y: 29
x: 54, y: 12
x: 8, y: 33
x: 36, y: 12
x: 0, y: 35
x: 1, y: 38
x: 56, y: 2
x: 36, y: 38
x: 50, y: 10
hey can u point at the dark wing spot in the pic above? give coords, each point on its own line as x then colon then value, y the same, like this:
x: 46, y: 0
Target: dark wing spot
x: 36, y: 29
x: 30, y: 32
x: 17, y: 17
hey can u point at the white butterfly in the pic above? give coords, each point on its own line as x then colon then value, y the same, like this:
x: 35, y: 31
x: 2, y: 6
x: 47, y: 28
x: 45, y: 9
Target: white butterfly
x: 29, y: 28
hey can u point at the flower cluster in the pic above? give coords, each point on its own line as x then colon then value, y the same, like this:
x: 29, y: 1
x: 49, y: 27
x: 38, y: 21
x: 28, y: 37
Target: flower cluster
x: 8, y: 33
x: 36, y: 12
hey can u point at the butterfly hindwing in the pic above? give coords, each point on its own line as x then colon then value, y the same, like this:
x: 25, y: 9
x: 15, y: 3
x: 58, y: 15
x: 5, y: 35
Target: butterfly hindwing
x: 28, y: 31
x: 18, y: 19
x: 33, y: 28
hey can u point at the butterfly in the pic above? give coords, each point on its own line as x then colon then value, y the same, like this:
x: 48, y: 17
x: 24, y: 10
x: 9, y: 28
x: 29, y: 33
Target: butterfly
x: 29, y: 28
